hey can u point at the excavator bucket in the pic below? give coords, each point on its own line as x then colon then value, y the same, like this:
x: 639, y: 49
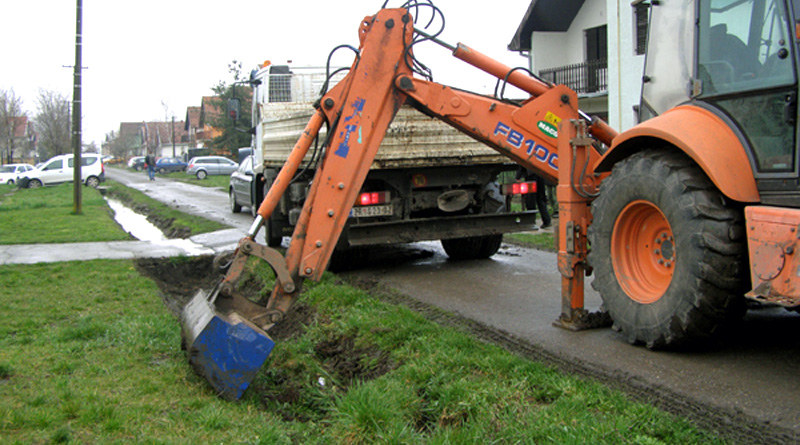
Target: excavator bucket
x: 223, y: 345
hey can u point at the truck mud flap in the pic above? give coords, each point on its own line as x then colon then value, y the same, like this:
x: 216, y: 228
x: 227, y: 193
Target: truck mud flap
x: 427, y: 229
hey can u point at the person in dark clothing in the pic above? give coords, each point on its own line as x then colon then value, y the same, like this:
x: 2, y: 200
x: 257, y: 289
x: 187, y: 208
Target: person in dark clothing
x: 151, y: 167
x: 538, y: 199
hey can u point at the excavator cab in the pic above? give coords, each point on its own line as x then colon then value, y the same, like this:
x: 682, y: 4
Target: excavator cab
x: 744, y: 72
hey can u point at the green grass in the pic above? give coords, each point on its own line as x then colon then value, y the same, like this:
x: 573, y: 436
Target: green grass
x: 189, y: 224
x: 542, y: 241
x: 221, y: 181
x: 45, y: 215
x: 90, y: 354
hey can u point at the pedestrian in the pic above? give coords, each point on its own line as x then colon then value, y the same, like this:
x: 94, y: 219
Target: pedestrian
x: 538, y: 199
x: 151, y: 167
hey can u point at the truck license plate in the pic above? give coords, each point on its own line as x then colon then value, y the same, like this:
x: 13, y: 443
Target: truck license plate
x: 382, y: 210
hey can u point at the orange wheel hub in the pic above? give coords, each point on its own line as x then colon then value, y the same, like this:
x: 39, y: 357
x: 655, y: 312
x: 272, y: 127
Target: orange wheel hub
x: 643, y: 251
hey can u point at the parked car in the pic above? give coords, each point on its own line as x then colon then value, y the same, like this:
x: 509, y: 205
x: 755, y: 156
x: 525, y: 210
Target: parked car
x: 111, y: 160
x: 10, y: 172
x: 242, y: 187
x: 202, y: 166
x: 169, y: 165
x: 136, y: 163
x: 59, y: 169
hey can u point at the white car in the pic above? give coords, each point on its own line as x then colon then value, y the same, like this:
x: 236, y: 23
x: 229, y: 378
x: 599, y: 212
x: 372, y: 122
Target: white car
x: 59, y: 169
x: 10, y: 172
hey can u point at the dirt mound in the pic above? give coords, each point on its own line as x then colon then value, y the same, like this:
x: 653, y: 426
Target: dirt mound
x: 179, y: 278
x: 341, y: 357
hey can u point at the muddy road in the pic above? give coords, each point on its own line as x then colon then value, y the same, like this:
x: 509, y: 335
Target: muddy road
x: 744, y: 384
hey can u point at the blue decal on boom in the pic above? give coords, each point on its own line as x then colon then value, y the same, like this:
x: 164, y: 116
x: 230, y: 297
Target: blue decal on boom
x: 344, y: 147
x: 517, y: 140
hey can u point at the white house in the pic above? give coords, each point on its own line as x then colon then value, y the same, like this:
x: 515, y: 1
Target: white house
x: 595, y: 47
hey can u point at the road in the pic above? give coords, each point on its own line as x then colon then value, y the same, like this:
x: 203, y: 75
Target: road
x: 747, y: 379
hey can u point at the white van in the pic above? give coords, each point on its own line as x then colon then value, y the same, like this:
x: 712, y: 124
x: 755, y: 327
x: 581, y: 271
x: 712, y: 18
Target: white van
x: 59, y: 169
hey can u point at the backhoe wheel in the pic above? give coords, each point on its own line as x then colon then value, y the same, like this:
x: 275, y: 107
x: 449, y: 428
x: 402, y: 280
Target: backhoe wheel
x: 669, y: 256
x: 472, y: 248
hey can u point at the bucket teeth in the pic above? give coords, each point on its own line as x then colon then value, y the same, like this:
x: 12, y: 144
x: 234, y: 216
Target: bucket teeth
x: 223, y: 346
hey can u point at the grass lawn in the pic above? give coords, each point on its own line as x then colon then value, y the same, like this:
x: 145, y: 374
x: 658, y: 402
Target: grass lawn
x: 221, y: 181
x: 542, y: 241
x: 90, y: 354
x: 45, y: 215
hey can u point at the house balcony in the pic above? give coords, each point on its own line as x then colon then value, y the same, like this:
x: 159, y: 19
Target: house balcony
x: 590, y: 77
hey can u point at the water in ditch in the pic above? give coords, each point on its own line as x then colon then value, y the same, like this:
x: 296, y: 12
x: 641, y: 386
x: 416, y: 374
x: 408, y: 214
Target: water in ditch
x: 140, y: 228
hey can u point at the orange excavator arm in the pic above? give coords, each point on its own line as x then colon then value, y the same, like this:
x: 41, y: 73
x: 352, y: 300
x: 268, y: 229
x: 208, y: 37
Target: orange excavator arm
x: 359, y: 110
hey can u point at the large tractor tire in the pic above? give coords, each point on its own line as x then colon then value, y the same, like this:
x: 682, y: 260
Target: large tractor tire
x: 668, y: 253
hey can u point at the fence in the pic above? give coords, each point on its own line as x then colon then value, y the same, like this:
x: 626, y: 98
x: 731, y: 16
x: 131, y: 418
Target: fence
x: 583, y: 78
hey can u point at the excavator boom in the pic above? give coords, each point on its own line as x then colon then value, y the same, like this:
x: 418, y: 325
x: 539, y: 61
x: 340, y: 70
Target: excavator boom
x: 542, y: 134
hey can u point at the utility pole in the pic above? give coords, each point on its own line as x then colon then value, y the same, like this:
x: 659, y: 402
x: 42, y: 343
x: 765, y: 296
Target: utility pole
x: 76, y: 112
x: 173, y: 136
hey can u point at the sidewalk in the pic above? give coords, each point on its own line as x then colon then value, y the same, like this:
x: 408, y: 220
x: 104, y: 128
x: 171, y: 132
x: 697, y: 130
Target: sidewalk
x: 203, y: 244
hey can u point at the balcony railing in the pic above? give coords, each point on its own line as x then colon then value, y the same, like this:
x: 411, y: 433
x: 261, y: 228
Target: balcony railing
x: 583, y: 78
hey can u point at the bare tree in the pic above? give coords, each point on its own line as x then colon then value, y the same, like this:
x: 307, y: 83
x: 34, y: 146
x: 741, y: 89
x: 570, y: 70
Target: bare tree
x: 10, y: 110
x: 53, y: 123
x: 91, y: 147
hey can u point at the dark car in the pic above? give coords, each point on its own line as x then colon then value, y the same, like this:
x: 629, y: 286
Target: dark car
x: 169, y: 165
x: 242, y: 187
x: 136, y: 163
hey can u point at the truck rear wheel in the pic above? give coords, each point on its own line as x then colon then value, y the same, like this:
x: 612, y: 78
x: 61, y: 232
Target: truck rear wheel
x: 472, y: 248
x: 272, y: 226
x: 669, y: 256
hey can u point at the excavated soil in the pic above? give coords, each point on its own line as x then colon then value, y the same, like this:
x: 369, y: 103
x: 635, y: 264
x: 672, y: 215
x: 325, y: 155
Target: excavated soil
x: 283, y: 393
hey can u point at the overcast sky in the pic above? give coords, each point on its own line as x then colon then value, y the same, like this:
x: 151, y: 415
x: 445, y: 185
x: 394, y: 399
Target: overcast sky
x: 145, y: 52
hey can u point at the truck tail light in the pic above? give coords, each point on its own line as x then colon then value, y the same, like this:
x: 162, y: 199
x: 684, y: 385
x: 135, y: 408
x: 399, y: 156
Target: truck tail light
x: 373, y: 198
x: 519, y: 188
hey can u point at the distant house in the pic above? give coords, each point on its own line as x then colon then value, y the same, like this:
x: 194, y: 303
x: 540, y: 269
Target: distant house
x: 130, y: 139
x: 20, y: 142
x: 210, y: 112
x: 162, y: 139
x: 192, y: 124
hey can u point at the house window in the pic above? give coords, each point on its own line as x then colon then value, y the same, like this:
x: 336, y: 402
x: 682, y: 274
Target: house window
x: 596, y: 44
x: 640, y: 11
x: 596, y: 59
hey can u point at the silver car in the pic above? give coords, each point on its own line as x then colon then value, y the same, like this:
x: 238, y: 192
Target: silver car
x: 202, y: 166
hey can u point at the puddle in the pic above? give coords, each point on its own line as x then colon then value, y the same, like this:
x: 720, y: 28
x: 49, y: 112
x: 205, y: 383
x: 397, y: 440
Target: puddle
x: 140, y: 228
